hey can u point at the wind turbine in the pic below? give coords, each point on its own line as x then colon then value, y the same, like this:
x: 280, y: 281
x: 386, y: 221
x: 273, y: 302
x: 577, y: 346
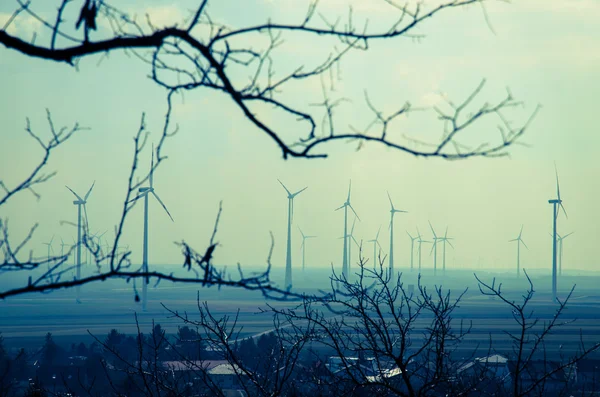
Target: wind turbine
x: 445, y: 240
x: 303, y: 246
x: 420, y: 241
x: 556, y: 203
x: 560, y: 256
x: 434, y: 249
x: 345, y: 207
x: 62, y: 248
x: 392, y: 212
x: 412, y: 248
x: 80, y: 202
x: 519, y: 241
x: 375, y: 242
x: 144, y: 193
x: 49, y: 244
x: 288, y: 258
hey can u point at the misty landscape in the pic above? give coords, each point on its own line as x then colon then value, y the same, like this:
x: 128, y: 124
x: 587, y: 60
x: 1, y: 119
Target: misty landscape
x: 299, y: 198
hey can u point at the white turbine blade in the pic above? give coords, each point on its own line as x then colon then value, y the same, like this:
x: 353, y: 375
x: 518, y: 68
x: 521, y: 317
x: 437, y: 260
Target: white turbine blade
x: 52, y: 239
x: 76, y: 195
x: 299, y: 191
x: 371, y: 241
x: 448, y: 241
x: 356, y: 242
x: 392, y: 204
x: 302, y: 245
x: 432, y: 231
x: 352, y: 208
x: 352, y: 229
x: 557, y: 185
x: 87, y: 224
x: 349, y: 189
x: 163, y: 204
x: 521, y: 232
x: 377, y: 236
x: 564, y: 211
x: 411, y: 237
x: 395, y: 210
x: 286, y: 189
x: 514, y: 239
x: 446, y: 233
x: 312, y: 236
x: 89, y: 191
x: 301, y: 232
x: 433, y: 246
x: 524, y: 243
x: 418, y: 234
x: 567, y: 235
x: 339, y: 208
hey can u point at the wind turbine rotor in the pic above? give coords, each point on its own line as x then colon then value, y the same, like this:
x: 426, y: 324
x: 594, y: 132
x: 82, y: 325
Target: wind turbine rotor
x: 76, y: 195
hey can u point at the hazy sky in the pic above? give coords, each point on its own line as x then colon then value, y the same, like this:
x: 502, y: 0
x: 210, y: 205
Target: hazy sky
x: 546, y: 51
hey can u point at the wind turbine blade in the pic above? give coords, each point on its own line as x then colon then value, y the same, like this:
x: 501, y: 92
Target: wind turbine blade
x: 349, y: 189
x: 411, y: 237
x: 418, y: 234
x: 377, y: 236
x: 352, y: 229
x: 312, y: 236
x: 567, y: 235
x: 564, y: 211
x: 446, y: 233
x: 514, y: 239
x: 299, y: 191
x: 163, y: 205
x: 557, y: 185
x: 152, y: 168
x: 89, y: 191
x: 286, y: 189
x: 339, y: 208
x: 352, y: 208
x: 379, y: 245
x: 392, y: 204
x: 303, y: 236
x: 521, y: 232
x: 356, y: 242
x: 432, y: 231
x: 87, y: 224
x: 52, y: 239
x: 433, y: 246
x: 76, y: 195
x: 448, y: 241
x: 524, y: 244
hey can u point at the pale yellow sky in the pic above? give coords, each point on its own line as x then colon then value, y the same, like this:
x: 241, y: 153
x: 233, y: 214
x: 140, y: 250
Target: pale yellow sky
x: 545, y: 51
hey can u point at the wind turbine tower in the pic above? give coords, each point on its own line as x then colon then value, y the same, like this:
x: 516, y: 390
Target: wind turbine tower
x: 375, y: 242
x: 80, y: 202
x: 445, y: 240
x: 288, y: 258
x: 560, y: 247
x: 392, y: 212
x: 144, y: 193
x: 303, y: 247
x: 434, y: 249
x: 420, y: 241
x: 412, y: 248
x: 556, y: 203
x: 519, y: 241
x: 345, y: 253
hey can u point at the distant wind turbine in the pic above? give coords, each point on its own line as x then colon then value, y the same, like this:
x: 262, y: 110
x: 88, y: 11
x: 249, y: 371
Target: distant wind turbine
x: 345, y: 254
x: 375, y: 242
x: 62, y: 248
x: 351, y: 237
x: 560, y: 255
x: 303, y: 247
x: 80, y: 202
x: 412, y: 249
x: 445, y: 240
x: 420, y: 241
x: 144, y: 193
x: 392, y: 212
x: 434, y: 249
x: 49, y: 244
x: 556, y: 203
x: 288, y: 258
x: 519, y: 241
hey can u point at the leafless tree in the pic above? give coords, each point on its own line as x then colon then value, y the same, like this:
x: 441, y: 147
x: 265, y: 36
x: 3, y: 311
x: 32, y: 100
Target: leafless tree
x: 529, y: 340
